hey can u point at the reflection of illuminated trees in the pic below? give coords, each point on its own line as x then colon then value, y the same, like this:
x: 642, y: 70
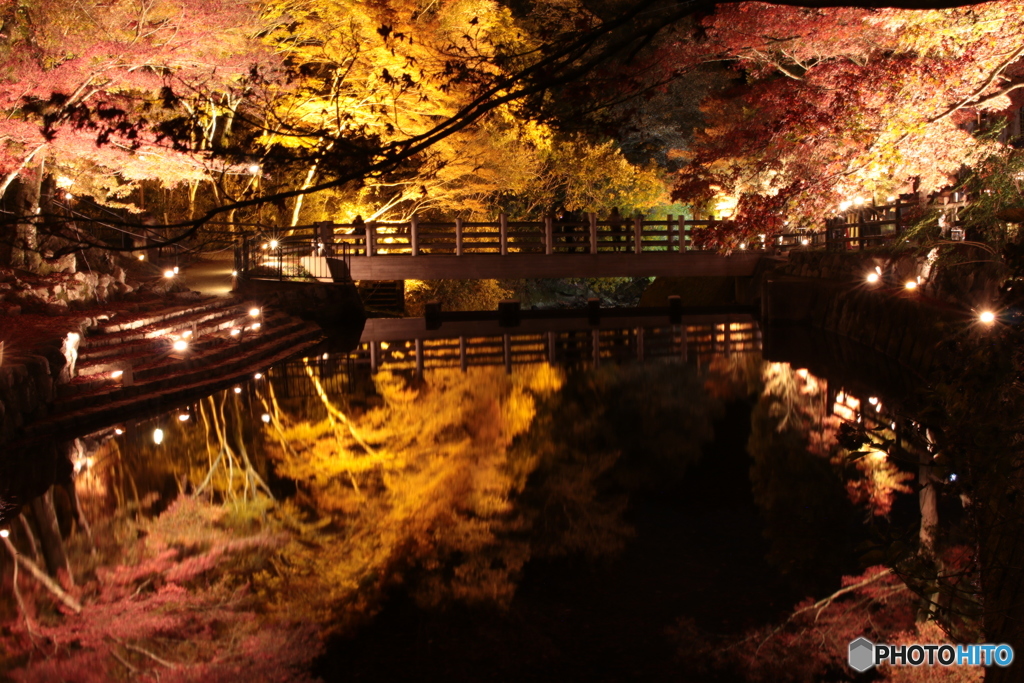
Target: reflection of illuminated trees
x: 812, y: 642
x: 417, y: 485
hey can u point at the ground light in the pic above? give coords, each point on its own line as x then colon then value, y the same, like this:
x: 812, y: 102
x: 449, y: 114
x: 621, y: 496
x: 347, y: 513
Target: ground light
x: 254, y: 312
x: 158, y: 436
x: 168, y: 274
x: 180, y: 345
x: 910, y: 285
x: 872, y: 278
x: 987, y: 317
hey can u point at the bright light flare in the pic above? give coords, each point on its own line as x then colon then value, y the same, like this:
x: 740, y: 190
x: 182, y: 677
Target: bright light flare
x: 158, y: 436
x: 116, y: 374
x: 235, y: 332
x: 910, y: 285
x: 238, y: 390
x: 266, y: 418
x: 274, y: 244
x: 180, y: 345
x: 873, y: 278
x: 254, y: 168
x: 987, y: 317
x: 4, y: 533
x: 169, y: 274
x: 184, y: 417
x: 142, y: 257
x: 234, y: 273
x: 254, y: 312
x: 258, y: 375
x: 804, y: 242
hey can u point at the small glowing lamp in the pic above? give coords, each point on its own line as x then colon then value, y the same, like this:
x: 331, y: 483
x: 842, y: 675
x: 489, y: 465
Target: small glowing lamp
x: 235, y: 332
x: 158, y: 436
x: 169, y: 273
x: 326, y: 356
x: 873, y: 401
x: 273, y: 244
x: 4, y: 533
x: 266, y: 418
x: 255, y: 326
x: 872, y: 278
x: 142, y: 257
x: 184, y: 417
x: 805, y: 241
x: 118, y: 431
x: 258, y: 375
x: 180, y: 345
x: 910, y: 285
x: 116, y: 374
x: 952, y: 477
x: 987, y: 317
x: 254, y: 168
x: 254, y: 312
x: 234, y: 273
x: 238, y: 390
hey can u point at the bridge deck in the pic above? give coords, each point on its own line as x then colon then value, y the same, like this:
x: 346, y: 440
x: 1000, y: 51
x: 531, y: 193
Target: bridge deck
x: 526, y: 266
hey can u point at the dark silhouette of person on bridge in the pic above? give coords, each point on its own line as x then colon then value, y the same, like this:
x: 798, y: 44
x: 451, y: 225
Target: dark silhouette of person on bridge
x: 618, y: 230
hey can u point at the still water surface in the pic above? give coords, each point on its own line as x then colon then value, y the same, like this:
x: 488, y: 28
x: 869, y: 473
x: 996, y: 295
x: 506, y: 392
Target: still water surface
x: 567, y: 503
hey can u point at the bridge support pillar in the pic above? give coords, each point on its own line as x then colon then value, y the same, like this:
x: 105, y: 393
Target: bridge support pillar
x: 432, y: 314
x: 675, y: 309
x: 508, y: 313
x: 594, y: 310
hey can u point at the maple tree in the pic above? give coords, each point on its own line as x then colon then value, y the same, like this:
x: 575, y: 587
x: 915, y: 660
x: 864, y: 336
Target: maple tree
x: 833, y: 104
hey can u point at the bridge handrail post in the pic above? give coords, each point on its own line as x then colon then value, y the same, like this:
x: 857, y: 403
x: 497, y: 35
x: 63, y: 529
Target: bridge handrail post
x: 682, y: 234
x: 414, y: 235
x: 592, y: 217
x: 458, y: 237
x: 668, y: 233
x: 638, y: 234
x: 503, y: 226
x: 549, y: 235
x: 371, y: 228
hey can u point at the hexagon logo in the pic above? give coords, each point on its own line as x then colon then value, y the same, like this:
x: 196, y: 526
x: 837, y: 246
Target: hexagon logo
x: 862, y: 655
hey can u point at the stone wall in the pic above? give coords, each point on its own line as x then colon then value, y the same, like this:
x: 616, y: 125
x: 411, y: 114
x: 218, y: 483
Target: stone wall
x: 28, y: 382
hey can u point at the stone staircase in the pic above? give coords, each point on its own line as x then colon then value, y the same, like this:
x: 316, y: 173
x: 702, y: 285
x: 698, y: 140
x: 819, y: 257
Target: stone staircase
x: 129, y: 363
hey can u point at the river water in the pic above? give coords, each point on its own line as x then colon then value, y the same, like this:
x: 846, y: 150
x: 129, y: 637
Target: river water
x: 559, y: 501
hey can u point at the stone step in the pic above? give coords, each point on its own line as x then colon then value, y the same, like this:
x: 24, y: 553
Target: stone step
x: 144, y: 318
x: 135, y: 352
x: 211, y: 363
x: 101, y: 338
x: 157, y: 395
x: 154, y: 362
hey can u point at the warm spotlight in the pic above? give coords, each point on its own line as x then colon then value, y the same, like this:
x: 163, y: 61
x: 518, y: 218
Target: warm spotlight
x: 254, y: 312
x: 872, y: 278
x: 910, y: 285
x: 987, y: 317
x: 180, y: 345
x: 169, y: 273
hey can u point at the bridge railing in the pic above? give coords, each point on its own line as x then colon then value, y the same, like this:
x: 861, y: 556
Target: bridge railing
x: 587, y: 235
x: 696, y: 343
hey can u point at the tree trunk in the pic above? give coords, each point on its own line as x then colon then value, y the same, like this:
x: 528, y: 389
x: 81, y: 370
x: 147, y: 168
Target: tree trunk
x: 49, y: 535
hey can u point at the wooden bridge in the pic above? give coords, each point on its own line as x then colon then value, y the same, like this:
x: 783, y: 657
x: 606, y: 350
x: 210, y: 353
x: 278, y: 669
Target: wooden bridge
x: 550, y: 248
x: 503, y: 249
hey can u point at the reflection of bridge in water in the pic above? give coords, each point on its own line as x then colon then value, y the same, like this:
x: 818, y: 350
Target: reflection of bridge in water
x: 405, y: 345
